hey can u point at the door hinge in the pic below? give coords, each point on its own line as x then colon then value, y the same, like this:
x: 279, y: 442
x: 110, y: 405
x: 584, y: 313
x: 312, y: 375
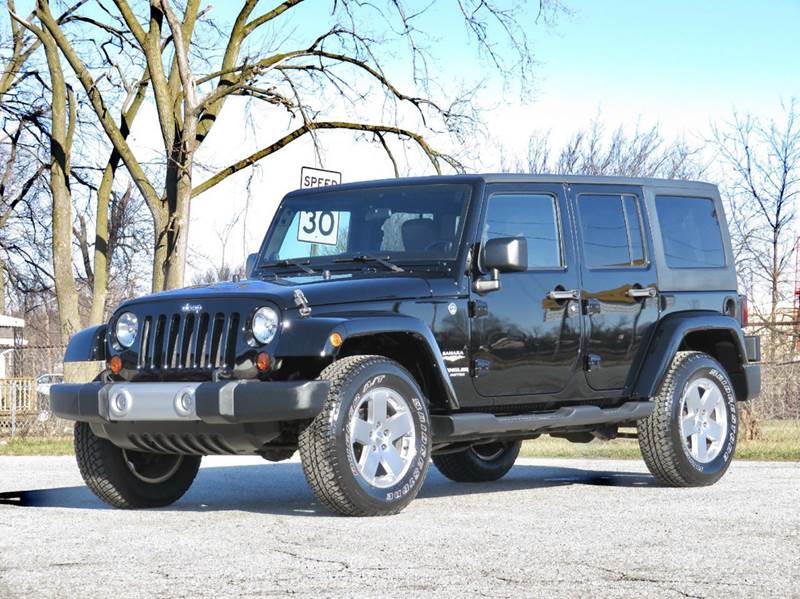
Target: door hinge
x: 477, y: 308
x: 592, y: 306
x: 592, y: 362
x: 480, y: 367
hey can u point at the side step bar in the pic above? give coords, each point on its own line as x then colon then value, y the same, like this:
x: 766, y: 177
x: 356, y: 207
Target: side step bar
x: 463, y: 427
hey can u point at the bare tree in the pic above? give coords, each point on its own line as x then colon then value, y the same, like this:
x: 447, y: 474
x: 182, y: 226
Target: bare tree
x: 763, y: 160
x: 292, y: 77
x: 592, y: 151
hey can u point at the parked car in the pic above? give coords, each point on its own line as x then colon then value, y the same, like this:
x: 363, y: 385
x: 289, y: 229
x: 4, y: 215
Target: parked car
x: 45, y: 381
x: 386, y: 324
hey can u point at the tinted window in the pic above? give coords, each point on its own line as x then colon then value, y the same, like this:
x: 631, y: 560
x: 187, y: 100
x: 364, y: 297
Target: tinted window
x: 612, y: 230
x: 410, y: 222
x: 533, y: 217
x: 690, y: 232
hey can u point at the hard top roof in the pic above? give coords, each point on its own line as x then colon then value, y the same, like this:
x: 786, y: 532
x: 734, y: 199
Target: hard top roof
x: 516, y: 178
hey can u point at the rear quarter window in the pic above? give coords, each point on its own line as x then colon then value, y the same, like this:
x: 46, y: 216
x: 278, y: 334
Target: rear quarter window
x: 690, y: 232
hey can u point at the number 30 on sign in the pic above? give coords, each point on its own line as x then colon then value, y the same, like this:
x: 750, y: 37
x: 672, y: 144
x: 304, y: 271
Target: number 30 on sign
x: 318, y: 227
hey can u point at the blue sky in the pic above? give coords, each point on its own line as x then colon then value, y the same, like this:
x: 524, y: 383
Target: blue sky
x: 727, y: 53
x: 680, y: 64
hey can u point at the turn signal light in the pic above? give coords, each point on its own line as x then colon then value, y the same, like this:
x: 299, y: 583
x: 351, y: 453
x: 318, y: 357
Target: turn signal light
x: 263, y: 361
x: 745, y: 310
x: 115, y: 364
x: 336, y: 339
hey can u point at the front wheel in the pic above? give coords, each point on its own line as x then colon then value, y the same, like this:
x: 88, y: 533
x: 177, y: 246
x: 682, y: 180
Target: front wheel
x: 690, y: 438
x: 366, y: 453
x: 131, y: 479
x: 479, y: 463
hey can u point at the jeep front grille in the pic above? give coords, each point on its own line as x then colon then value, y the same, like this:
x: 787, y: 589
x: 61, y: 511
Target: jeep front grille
x: 194, y: 341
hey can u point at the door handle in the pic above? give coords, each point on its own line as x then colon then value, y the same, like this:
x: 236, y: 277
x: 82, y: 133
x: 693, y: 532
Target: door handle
x: 646, y: 292
x: 562, y: 294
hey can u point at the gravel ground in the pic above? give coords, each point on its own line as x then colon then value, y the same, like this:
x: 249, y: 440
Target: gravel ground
x: 249, y: 528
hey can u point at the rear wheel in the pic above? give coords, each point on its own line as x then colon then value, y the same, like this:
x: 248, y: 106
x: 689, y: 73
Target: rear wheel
x: 131, y: 479
x: 690, y: 438
x: 479, y: 463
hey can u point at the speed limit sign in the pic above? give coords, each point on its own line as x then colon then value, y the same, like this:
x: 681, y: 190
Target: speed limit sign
x: 319, y: 226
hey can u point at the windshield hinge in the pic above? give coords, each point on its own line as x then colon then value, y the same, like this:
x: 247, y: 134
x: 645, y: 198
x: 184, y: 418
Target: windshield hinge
x: 301, y: 302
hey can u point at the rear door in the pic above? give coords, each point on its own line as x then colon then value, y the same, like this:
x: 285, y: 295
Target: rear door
x: 526, y: 335
x: 620, y: 296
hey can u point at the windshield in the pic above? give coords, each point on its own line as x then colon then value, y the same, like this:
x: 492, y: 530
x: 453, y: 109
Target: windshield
x: 399, y: 223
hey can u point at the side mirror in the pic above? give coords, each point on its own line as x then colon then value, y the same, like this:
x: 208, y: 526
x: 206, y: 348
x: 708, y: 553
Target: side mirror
x: 503, y: 254
x: 250, y: 265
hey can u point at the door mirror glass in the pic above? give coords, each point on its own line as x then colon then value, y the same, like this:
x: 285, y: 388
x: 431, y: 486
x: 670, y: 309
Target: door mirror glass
x: 506, y: 254
x: 250, y: 265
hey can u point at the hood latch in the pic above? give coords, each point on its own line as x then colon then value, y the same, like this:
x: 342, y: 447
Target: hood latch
x: 301, y: 302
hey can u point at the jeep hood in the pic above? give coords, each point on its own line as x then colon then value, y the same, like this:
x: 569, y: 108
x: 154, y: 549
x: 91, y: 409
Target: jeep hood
x: 341, y: 288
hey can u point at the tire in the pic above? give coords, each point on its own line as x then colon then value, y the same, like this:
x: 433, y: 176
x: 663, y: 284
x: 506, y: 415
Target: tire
x: 479, y: 463
x: 131, y: 479
x: 346, y: 475
x: 687, y: 441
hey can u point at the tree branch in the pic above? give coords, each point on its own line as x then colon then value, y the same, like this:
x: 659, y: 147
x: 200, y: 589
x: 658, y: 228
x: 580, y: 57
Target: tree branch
x: 433, y: 156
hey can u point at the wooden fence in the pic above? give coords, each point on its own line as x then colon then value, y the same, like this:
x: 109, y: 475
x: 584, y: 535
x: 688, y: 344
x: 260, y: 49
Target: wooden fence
x: 18, y: 401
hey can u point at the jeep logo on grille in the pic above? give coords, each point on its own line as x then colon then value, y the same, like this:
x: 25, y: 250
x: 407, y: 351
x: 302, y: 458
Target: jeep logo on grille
x: 194, y: 308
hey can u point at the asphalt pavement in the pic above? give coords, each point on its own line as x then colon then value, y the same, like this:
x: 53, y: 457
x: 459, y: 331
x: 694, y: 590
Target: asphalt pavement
x: 552, y: 527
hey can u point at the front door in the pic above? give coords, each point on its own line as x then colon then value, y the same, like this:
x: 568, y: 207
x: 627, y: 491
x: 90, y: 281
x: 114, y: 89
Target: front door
x: 526, y: 335
x: 620, y: 296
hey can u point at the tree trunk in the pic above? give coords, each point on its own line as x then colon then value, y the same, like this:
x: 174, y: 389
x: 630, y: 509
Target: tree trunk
x: 2, y: 287
x: 775, y: 297
x: 102, y: 253
x: 179, y: 195
x: 64, y: 109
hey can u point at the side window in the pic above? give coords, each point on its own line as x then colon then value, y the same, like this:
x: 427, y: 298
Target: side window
x: 690, y: 232
x: 611, y: 227
x: 533, y: 217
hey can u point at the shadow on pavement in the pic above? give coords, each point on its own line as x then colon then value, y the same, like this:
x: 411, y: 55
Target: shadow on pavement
x: 282, y: 488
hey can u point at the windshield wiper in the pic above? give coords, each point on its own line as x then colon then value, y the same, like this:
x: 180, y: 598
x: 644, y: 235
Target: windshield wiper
x: 295, y: 263
x: 365, y: 258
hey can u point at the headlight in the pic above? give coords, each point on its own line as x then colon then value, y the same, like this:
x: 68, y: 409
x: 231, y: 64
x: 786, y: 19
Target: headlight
x: 265, y: 324
x: 127, y: 327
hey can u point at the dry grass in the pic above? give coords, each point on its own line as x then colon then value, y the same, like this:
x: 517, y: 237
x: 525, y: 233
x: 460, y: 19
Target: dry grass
x: 36, y: 446
x: 780, y: 440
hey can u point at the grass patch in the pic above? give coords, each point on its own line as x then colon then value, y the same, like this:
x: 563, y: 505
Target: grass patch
x: 780, y: 440
x: 37, y: 446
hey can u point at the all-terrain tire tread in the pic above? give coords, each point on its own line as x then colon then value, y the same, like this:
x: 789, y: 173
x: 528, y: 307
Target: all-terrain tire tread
x: 88, y: 453
x: 316, y: 443
x: 655, y: 431
x: 461, y: 467
x: 91, y: 453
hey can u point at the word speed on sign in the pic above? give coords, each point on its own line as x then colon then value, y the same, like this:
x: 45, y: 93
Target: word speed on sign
x: 317, y: 177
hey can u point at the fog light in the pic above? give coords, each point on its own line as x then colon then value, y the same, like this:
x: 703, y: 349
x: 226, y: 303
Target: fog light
x: 120, y: 403
x: 184, y: 402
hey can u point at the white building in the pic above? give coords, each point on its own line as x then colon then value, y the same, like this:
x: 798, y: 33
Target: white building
x: 10, y: 339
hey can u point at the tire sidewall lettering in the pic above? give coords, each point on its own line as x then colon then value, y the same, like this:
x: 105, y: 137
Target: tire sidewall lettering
x: 396, y: 379
x: 707, y: 369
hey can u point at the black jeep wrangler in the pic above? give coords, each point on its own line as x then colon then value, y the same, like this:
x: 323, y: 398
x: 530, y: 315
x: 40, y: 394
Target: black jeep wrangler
x: 386, y: 324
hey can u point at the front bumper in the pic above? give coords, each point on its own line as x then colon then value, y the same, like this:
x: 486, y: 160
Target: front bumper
x: 223, y: 402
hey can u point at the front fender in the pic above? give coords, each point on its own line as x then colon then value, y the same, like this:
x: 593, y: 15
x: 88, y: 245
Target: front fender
x: 666, y: 341
x: 87, y: 345
x: 311, y: 337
